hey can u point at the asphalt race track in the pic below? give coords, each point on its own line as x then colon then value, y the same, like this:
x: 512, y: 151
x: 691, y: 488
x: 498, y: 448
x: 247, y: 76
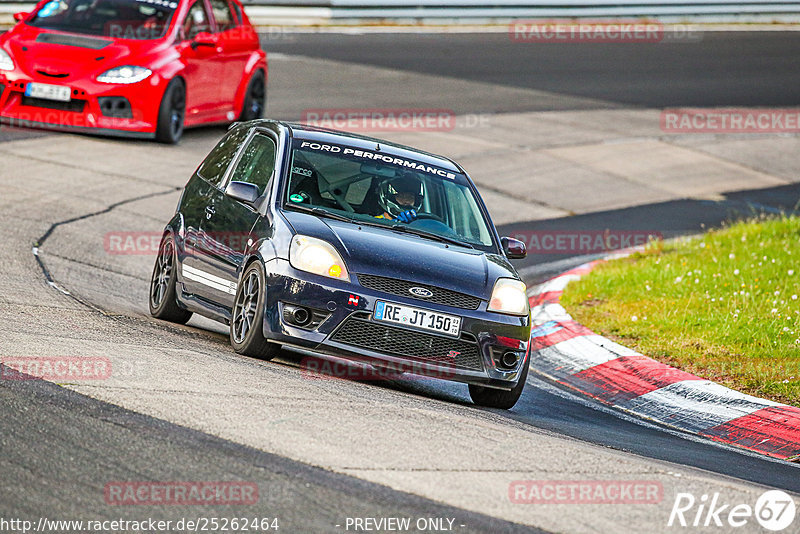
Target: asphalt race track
x: 185, y: 407
x: 708, y: 69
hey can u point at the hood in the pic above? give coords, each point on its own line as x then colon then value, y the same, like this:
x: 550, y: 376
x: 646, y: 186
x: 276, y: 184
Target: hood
x: 384, y: 252
x: 69, y: 56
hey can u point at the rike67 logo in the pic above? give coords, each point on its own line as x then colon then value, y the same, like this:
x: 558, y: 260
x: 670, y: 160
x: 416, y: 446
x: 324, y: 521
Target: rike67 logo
x: 774, y: 510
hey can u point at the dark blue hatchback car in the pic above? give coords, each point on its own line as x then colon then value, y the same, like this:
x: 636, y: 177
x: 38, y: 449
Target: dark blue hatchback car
x: 351, y: 247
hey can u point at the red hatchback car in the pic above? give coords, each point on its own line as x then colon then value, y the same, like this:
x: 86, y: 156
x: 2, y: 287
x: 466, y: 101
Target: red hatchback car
x: 140, y: 68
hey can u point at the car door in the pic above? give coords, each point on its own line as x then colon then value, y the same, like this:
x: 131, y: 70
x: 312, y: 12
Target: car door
x: 228, y: 231
x: 198, y: 204
x: 201, y: 54
x: 235, y: 42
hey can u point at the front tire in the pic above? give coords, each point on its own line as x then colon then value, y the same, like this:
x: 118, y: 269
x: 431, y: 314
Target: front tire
x: 255, y: 100
x: 163, y: 296
x: 172, y: 113
x: 499, y: 398
x: 247, y: 319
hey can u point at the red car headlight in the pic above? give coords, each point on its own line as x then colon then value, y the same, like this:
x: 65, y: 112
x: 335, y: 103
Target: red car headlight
x: 6, y: 63
x: 125, y: 74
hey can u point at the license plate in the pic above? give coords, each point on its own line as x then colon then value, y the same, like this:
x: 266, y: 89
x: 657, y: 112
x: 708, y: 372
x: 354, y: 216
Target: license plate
x: 48, y: 92
x: 418, y: 318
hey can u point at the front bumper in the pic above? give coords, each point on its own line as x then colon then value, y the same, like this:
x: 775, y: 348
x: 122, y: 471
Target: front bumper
x: 347, y: 330
x: 88, y: 111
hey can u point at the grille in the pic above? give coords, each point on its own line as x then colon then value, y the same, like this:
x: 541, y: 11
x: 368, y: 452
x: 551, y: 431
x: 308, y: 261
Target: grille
x: 72, y: 105
x: 400, y: 342
x: 441, y: 296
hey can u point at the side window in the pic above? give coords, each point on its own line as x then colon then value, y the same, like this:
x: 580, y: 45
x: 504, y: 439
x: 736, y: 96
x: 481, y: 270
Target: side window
x: 223, y: 15
x: 464, y: 213
x: 216, y: 163
x: 257, y: 162
x: 197, y: 21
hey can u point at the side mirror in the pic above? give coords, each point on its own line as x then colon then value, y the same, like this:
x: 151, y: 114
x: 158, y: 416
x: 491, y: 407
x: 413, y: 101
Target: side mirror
x: 204, y: 39
x: 22, y: 15
x: 244, y: 192
x: 514, y: 248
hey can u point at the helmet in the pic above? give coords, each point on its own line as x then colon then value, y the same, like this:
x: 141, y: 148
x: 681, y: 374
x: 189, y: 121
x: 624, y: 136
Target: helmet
x: 407, y: 188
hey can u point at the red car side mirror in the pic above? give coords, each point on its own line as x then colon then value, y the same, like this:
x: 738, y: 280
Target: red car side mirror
x: 22, y: 15
x: 204, y: 39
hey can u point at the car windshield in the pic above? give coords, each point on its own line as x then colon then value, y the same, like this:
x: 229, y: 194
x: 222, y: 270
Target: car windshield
x: 376, y: 188
x: 120, y: 19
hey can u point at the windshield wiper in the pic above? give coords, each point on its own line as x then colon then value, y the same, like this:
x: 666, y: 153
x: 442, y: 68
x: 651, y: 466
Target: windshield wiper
x: 436, y: 237
x: 321, y: 212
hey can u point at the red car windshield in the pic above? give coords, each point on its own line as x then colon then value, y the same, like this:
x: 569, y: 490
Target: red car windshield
x: 119, y: 19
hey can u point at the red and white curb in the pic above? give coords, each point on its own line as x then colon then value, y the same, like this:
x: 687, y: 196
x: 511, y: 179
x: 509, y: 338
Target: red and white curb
x: 576, y: 357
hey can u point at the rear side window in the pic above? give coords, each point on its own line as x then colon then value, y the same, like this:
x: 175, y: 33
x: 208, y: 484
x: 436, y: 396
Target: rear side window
x: 223, y: 15
x: 216, y: 163
x: 257, y: 162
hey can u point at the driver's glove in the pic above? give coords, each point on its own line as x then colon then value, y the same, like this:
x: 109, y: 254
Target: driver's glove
x: 407, y: 216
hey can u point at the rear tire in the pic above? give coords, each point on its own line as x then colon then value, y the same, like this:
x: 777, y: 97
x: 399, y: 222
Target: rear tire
x: 172, y: 113
x: 255, y: 99
x: 499, y: 398
x: 163, y: 300
x: 247, y: 319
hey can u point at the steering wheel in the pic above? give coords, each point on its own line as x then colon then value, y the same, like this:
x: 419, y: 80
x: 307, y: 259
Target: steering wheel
x: 431, y: 216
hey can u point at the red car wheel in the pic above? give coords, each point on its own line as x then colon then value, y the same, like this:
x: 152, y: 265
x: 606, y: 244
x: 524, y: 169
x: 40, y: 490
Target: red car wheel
x: 255, y: 98
x: 172, y: 113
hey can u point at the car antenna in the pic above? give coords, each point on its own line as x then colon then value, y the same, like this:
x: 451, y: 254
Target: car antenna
x: 377, y: 147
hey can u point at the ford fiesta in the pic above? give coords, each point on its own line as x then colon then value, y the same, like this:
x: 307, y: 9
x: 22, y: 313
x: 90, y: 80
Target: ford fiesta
x: 140, y: 68
x: 350, y: 247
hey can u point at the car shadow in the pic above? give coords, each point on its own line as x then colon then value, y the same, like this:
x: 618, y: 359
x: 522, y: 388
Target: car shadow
x: 196, y: 133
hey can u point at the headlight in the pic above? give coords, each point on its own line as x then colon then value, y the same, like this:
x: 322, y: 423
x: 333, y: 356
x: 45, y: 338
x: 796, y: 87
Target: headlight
x: 126, y: 74
x: 317, y: 256
x: 6, y: 63
x: 508, y: 296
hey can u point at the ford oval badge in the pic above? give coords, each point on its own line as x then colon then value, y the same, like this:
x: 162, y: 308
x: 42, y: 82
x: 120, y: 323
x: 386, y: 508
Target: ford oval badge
x: 421, y: 292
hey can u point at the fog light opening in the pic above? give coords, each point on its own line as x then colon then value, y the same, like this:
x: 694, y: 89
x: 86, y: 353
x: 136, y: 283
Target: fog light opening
x: 296, y: 315
x: 510, y: 359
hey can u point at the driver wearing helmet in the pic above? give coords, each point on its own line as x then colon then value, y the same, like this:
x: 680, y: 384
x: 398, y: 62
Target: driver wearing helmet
x: 400, y: 197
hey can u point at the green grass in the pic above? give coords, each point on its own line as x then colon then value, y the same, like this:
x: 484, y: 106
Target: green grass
x: 724, y: 306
